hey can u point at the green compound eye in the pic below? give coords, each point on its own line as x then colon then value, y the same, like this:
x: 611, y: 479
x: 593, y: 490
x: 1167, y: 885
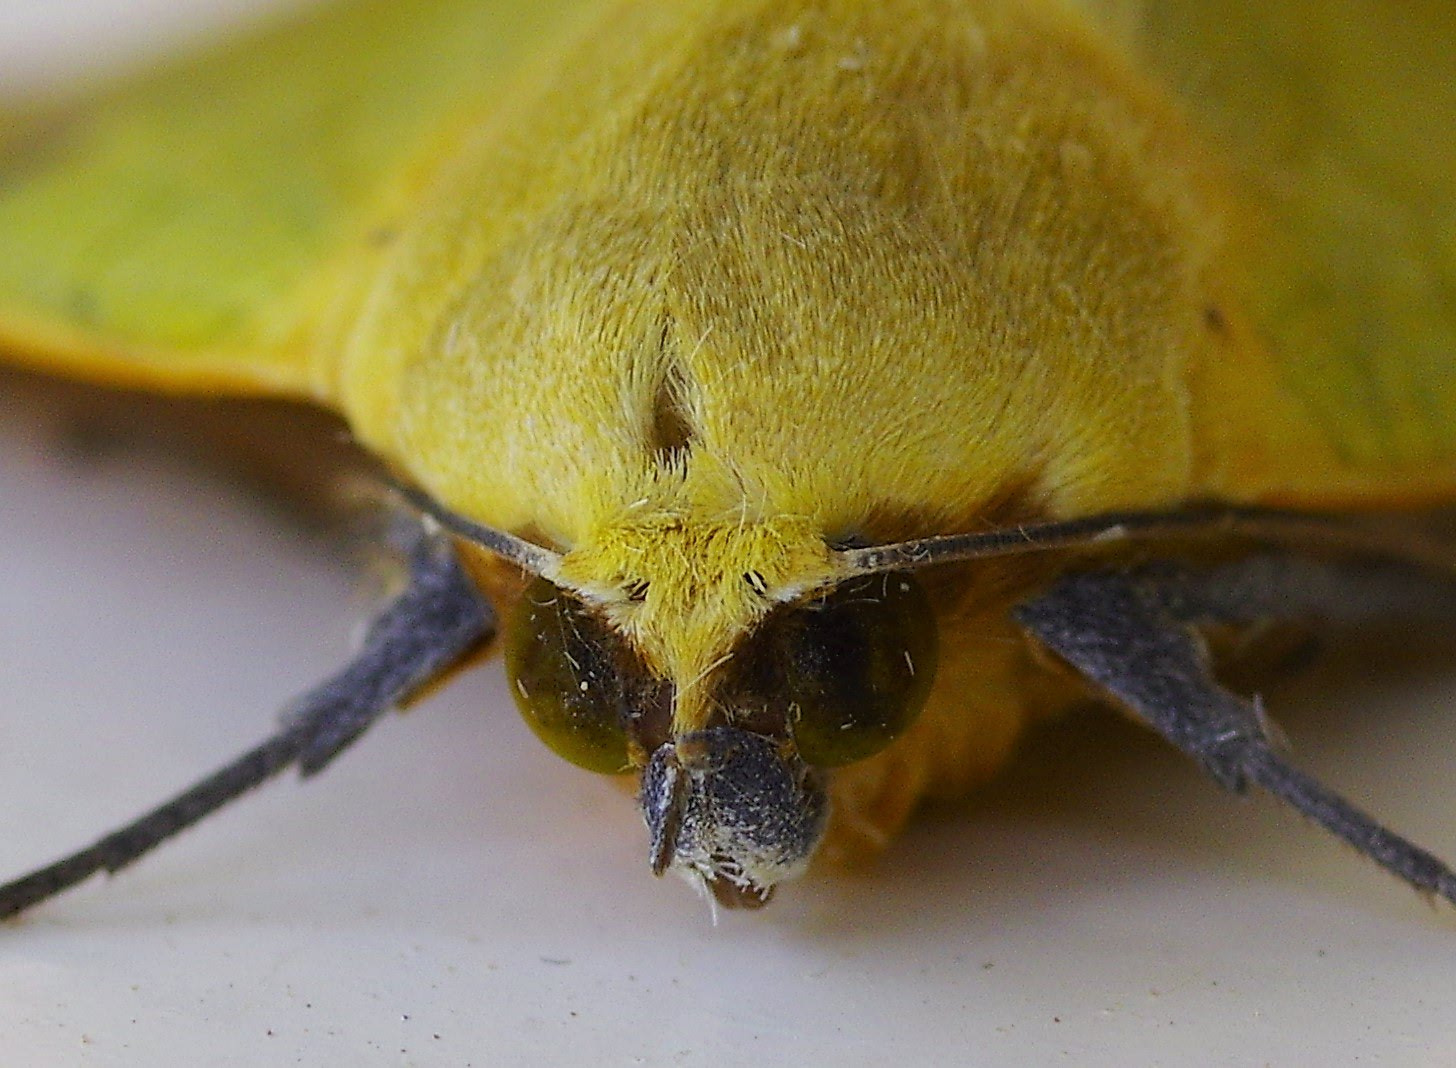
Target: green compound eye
x: 855, y: 666
x: 564, y: 664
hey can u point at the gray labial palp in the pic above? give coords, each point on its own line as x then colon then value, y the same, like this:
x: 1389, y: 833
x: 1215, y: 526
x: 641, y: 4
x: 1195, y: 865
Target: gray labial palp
x: 727, y: 809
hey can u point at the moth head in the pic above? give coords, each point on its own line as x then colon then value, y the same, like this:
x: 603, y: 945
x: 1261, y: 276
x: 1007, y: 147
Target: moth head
x: 733, y: 666
x: 723, y: 665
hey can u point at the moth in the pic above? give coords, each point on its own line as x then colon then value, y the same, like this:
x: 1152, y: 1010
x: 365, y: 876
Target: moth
x: 803, y: 396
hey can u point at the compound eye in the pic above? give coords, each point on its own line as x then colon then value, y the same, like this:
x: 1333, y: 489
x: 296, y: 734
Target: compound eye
x: 564, y: 664
x: 856, y: 666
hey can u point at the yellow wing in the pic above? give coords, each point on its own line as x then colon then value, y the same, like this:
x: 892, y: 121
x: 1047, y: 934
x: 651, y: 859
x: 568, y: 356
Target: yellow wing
x: 1340, y: 123
x: 198, y: 227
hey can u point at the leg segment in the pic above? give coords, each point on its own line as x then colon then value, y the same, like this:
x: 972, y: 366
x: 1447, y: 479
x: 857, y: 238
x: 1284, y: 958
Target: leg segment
x: 437, y: 620
x: 1130, y: 633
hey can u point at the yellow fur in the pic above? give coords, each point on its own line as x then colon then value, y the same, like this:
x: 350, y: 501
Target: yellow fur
x: 1024, y: 313
x: 708, y: 284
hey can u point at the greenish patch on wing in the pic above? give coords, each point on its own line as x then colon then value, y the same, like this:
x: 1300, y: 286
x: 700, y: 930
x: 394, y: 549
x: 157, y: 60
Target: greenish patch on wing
x: 1341, y: 120
x: 189, y: 209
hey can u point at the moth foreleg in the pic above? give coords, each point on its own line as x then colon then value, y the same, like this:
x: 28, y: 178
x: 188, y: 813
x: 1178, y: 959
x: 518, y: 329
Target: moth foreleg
x: 1131, y: 634
x: 438, y: 619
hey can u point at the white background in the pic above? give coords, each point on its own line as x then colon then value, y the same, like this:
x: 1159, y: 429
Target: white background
x: 451, y: 894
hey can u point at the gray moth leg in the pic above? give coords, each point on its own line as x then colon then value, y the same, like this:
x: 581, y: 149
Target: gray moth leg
x: 1132, y: 634
x: 438, y: 619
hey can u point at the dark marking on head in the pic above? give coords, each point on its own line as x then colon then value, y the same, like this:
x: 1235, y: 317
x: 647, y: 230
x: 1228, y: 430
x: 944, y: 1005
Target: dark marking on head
x: 672, y: 432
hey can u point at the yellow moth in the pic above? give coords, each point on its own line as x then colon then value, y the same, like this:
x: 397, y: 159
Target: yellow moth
x: 805, y: 395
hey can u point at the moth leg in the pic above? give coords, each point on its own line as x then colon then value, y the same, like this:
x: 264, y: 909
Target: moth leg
x: 1131, y: 634
x: 438, y: 619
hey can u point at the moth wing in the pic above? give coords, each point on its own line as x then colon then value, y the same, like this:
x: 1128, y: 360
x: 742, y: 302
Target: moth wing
x: 200, y: 227
x: 1340, y: 126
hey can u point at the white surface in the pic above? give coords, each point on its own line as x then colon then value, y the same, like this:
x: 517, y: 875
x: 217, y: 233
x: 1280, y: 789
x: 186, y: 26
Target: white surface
x: 451, y: 894
x: 45, y: 42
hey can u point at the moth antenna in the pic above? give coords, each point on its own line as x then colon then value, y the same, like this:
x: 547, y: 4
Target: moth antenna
x: 537, y: 559
x: 438, y: 619
x: 1269, y: 525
